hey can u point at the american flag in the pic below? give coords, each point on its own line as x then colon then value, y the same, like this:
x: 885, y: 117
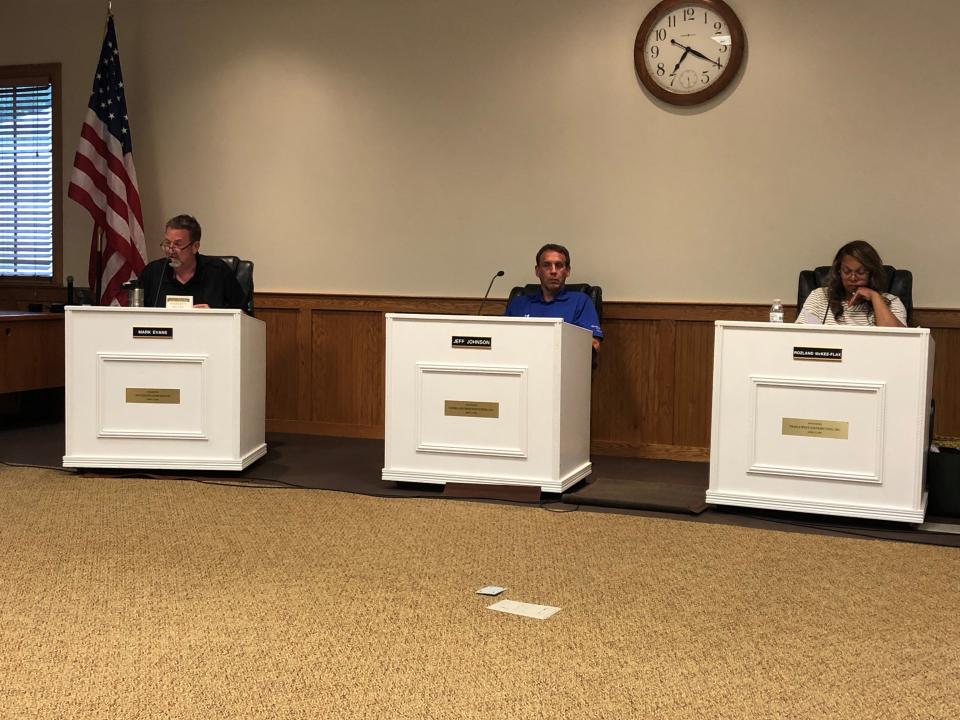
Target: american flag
x: 104, y: 180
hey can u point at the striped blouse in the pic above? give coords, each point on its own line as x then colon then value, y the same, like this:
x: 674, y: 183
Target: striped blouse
x: 817, y: 306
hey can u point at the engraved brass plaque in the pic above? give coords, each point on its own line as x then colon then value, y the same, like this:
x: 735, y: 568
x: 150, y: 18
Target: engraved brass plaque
x: 154, y: 396
x: 470, y: 408
x: 836, y: 429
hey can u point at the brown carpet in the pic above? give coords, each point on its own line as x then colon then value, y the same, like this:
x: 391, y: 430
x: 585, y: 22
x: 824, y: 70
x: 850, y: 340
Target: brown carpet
x: 169, y: 599
x: 660, y: 488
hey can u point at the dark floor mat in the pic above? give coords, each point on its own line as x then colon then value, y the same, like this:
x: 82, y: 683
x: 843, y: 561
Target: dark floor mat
x: 639, y: 495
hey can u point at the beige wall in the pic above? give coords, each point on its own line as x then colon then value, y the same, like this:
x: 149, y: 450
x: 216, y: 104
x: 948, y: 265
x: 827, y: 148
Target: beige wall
x: 416, y: 146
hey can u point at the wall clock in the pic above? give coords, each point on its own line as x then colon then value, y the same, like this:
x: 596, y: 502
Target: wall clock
x: 687, y: 51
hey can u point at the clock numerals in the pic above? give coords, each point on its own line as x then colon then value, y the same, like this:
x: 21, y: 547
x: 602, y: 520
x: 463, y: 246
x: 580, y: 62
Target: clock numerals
x: 686, y: 51
x: 689, y: 50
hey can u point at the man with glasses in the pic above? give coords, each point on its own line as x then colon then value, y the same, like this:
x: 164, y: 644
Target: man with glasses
x: 184, y: 271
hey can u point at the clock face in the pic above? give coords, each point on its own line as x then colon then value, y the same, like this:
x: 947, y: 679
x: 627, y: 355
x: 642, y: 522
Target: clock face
x: 686, y: 52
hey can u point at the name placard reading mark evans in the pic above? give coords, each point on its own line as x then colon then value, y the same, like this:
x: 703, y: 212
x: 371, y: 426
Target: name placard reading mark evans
x: 470, y: 408
x: 835, y: 429
x: 465, y: 341
x: 153, y: 332
x: 154, y: 396
x: 815, y: 353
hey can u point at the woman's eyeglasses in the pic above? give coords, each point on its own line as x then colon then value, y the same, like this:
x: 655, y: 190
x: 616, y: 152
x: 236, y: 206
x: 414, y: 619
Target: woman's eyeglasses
x: 859, y: 274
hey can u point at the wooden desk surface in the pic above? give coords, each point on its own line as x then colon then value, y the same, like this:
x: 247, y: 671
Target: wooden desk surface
x: 31, y: 350
x: 15, y: 315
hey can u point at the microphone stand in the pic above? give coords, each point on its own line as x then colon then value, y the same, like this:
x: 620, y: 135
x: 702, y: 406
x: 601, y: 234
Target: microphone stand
x: 482, y: 302
x: 163, y: 271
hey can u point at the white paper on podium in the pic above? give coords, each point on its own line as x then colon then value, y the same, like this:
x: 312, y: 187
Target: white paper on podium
x: 808, y: 318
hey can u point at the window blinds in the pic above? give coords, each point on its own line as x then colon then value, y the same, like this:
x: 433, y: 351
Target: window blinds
x: 26, y: 179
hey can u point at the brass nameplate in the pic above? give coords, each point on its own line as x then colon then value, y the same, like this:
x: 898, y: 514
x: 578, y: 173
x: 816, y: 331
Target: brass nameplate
x: 836, y: 429
x: 469, y: 408
x: 154, y: 396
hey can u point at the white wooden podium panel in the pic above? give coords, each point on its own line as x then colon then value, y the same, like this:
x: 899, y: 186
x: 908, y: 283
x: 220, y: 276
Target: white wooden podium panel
x: 843, y: 436
x: 191, y: 398
x: 535, y: 372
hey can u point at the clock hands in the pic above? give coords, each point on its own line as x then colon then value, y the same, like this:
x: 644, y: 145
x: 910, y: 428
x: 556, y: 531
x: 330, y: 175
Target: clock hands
x: 688, y: 49
x: 677, y: 66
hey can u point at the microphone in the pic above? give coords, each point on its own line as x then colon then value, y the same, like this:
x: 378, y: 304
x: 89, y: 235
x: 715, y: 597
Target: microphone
x: 499, y: 274
x: 69, y: 289
x: 156, y: 297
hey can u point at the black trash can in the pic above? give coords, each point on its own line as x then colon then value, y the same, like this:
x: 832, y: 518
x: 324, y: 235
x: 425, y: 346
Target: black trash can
x: 943, y: 482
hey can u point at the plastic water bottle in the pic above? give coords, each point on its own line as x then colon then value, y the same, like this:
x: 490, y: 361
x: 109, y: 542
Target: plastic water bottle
x: 776, y: 311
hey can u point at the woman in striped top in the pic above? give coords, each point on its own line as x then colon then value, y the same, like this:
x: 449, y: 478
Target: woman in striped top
x: 852, y: 295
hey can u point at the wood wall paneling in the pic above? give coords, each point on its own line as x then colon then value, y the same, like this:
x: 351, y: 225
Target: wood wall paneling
x: 31, y: 352
x: 694, y: 387
x: 284, y: 355
x: 632, y: 394
x: 946, y: 382
x: 347, y: 374
x: 651, y: 390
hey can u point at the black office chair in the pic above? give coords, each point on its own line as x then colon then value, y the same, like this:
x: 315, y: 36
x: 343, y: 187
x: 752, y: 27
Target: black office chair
x: 899, y: 283
x: 243, y: 269
x: 594, y: 292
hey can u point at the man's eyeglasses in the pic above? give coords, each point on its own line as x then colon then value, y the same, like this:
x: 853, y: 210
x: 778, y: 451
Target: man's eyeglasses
x: 165, y: 246
x: 859, y: 274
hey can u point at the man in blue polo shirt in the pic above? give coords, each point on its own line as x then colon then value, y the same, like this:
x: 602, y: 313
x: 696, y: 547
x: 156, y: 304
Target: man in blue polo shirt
x: 554, y: 300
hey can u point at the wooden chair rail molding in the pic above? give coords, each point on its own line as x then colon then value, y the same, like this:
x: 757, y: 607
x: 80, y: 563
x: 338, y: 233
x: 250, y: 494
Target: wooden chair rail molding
x: 651, y: 391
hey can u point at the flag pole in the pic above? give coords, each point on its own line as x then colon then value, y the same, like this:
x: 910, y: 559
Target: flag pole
x: 99, y: 296
x: 104, y: 160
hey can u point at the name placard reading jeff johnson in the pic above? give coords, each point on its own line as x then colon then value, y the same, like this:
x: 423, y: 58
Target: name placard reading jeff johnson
x: 465, y: 341
x: 153, y: 332
x: 815, y: 353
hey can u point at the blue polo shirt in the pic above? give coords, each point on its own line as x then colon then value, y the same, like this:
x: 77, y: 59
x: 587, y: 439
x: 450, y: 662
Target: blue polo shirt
x: 575, y: 308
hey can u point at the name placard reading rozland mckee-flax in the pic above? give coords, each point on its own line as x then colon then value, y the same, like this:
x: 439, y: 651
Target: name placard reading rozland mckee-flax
x: 815, y: 353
